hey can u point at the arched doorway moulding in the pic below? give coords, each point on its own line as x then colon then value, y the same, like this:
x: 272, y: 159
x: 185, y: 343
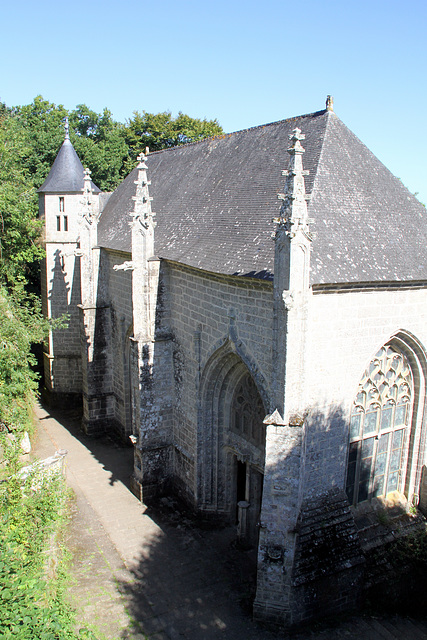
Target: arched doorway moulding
x: 414, y: 352
x: 222, y: 372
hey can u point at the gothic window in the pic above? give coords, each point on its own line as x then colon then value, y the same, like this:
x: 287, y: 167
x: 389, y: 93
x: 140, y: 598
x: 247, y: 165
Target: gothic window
x: 58, y: 223
x: 247, y: 412
x: 65, y: 223
x: 61, y: 204
x: 379, y: 427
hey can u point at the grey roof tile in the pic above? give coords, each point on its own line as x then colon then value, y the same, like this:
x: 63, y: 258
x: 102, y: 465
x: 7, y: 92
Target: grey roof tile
x: 215, y: 201
x: 66, y: 174
x: 368, y: 226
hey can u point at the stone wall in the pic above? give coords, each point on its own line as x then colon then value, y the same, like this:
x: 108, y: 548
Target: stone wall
x: 329, y: 562
x: 61, y: 289
x: 206, y: 313
x: 61, y: 293
x: 120, y: 303
x: 106, y: 341
x: 344, y: 331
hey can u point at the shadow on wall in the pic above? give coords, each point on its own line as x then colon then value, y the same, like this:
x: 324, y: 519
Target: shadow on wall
x: 65, y: 345
x: 383, y: 537
x: 63, y: 302
x: 325, y: 555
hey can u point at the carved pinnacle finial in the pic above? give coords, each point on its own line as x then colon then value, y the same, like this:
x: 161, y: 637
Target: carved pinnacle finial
x: 87, y: 186
x: 330, y: 103
x: 67, y: 129
x: 142, y: 208
x: 295, y: 137
x: 293, y: 212
x: 141, y: 160
x: 87, y: 210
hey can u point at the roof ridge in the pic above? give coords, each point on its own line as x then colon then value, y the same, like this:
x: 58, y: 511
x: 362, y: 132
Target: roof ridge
x: 329, y: 114
x: 221, y: 136
x: 376, y: 159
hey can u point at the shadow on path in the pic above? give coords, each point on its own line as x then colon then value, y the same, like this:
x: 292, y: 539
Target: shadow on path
x: 156, y: 572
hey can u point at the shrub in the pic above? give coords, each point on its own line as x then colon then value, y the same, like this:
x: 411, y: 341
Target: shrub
x: 32, y: 580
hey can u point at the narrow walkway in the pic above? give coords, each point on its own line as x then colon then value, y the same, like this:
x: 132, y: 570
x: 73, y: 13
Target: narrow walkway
x: 141, y: 574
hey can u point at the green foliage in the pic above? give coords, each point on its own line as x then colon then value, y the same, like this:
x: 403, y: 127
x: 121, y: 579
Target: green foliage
x: 107, y: 147
x: 30, y: 137
x: 98, y: 140
x: 32, y: 588
x: 411, y: 550
x: 20, y: 231
x: 100, y: 144
x: 43, y: 126
x: 160, y: 131
x: 22, y: 325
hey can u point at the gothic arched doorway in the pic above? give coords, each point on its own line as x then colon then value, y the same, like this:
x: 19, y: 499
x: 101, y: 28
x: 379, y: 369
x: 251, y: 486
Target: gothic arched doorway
x: 231, y: 444
x: 247, y: 434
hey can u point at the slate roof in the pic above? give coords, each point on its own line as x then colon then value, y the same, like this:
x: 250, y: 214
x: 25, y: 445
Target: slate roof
x: 66, y: 174
x: 215, y: 201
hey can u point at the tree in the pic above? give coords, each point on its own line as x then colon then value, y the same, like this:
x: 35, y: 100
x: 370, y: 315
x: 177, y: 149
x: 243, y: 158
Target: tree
x: 107, y: 147
x: 98, y: 139
x: 20, y: 231
x: 160, y: 131
x: 21, y: 325
x: 100, y: 143
x: 43, y: 125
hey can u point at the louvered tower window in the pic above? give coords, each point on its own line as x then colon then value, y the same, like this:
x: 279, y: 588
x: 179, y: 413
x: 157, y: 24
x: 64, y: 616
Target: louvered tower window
x: 379, y: 427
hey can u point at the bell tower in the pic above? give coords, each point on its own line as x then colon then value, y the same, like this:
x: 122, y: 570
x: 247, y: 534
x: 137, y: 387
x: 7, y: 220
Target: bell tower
x: 60, y: 205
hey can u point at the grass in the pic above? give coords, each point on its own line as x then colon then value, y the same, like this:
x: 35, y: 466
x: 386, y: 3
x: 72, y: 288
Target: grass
x: 33, y: 580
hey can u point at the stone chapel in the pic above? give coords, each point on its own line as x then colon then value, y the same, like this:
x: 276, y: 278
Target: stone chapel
x: 250, y: 312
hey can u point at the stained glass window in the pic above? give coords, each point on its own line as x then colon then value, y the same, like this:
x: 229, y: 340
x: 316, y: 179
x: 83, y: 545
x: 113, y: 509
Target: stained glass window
x: 379, y: 427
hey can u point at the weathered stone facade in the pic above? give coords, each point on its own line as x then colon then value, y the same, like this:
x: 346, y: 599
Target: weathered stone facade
x: 237, y: 384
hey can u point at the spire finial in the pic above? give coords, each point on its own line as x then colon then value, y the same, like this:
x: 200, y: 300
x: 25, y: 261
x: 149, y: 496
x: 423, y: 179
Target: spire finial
x: 67, y: 129
x: 86, y: 176
x: 142, y: 208
x: 293, y: 212
x: 330, y: 103
x: 87, y: 202
x: 295, y: 137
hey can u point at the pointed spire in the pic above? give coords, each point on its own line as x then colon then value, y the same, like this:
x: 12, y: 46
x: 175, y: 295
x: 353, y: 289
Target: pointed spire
x: 293, y: 212
x: 66, y: 174
x: 142, y: 208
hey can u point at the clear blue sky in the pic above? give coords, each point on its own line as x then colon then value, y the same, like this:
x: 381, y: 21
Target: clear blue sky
x: 240, y: 61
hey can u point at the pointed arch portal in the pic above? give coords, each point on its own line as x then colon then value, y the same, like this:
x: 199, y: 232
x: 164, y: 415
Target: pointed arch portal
x: 231, y: 443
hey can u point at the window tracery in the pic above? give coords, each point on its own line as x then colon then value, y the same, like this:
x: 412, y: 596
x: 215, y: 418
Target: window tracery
x: 247, y: 412
x: 379, y: 425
